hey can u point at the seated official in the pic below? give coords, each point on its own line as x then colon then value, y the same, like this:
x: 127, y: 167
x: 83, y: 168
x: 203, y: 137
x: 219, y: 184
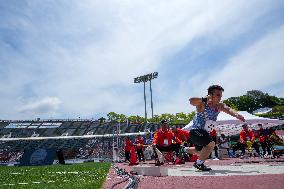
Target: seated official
x: 247, y: 138
x: 182, y: 135
x: 163, y: 140
x: 264, y: 140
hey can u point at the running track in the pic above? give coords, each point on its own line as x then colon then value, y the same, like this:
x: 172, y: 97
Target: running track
x: 237, y: 180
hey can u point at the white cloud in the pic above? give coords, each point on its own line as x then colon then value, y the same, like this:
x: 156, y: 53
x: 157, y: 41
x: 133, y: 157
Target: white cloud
x: 257, y: 67
x: 46, y: 106
x: 87, y: 53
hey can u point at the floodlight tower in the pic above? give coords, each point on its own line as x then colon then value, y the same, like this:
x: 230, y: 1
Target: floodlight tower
x: 144, y: 79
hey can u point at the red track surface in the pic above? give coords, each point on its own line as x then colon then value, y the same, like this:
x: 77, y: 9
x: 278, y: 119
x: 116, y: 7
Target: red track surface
x: 271, y: 181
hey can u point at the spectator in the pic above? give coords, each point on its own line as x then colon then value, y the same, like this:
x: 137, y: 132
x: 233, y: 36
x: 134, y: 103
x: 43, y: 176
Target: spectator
x: 224, y: 143
x: 214, y: 137
x: 274, y: 138
x: 139, y: 142
x: 247, y: 138
x: 163, y: 140
x: 148, y: 137
x: 127, y: 148
x: 148, y: 152
x: 264, y: 140
x: 182, y: 135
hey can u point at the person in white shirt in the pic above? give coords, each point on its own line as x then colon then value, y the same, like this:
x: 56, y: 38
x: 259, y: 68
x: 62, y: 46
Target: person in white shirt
x: 224, y: 142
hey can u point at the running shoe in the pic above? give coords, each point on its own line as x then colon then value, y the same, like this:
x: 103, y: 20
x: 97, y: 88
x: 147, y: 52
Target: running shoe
x: 201, y: 167
x: 158, y: 163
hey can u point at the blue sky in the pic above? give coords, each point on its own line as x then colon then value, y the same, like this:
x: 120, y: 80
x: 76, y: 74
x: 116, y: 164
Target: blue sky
x: 70, y: 59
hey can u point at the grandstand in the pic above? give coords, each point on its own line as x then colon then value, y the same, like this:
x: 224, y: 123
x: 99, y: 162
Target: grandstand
x: 86, y: 139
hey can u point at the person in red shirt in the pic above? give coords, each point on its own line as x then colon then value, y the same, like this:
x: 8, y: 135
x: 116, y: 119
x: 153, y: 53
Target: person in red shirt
x: 214, y: 137
x: 139, y: 142
x: 127, y: 148
x: 263, y: 135
x: 163, y: 140
x: 182, y: 135
x: 245, y: 136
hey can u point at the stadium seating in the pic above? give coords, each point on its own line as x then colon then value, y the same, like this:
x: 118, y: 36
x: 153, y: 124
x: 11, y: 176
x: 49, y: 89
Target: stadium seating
x: 29, y: 132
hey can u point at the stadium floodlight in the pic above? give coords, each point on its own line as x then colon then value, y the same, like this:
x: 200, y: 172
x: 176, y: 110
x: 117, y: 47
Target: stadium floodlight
x: 144, y: 79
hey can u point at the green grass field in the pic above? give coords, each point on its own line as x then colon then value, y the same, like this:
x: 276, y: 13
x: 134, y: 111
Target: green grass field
x: 84, y: 175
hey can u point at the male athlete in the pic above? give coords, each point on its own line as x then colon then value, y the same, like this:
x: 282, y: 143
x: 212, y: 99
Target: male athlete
x: 207, y: 109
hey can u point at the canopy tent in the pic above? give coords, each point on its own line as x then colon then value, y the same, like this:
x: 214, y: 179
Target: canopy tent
x: 262, y: 111
x: 230, y: 125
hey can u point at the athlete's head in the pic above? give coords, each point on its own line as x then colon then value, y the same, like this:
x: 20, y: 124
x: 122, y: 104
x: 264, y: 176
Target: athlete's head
x: 215, y: 91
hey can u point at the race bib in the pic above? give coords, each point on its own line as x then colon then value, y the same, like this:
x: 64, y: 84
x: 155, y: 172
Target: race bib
x: 210, y: 125
x: 166, y: 142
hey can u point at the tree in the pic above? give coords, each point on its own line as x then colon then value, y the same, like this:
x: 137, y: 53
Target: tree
x: 132, y: 119
x: 263, y: 99
x: 155, y: 119
x: 181, y: 116
x: 253, y: 100
x: 112, y: 116
x: 136, y: 119
x: 121, y: 118
x: 102, y: 119
x: 190, y: 116
x: 169, y: 117
x: 232, y: 103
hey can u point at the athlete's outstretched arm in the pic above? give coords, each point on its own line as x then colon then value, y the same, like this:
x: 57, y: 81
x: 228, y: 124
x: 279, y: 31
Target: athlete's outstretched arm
x: 231, y: 112
x: 195, y: 101
x: 199, y: 101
